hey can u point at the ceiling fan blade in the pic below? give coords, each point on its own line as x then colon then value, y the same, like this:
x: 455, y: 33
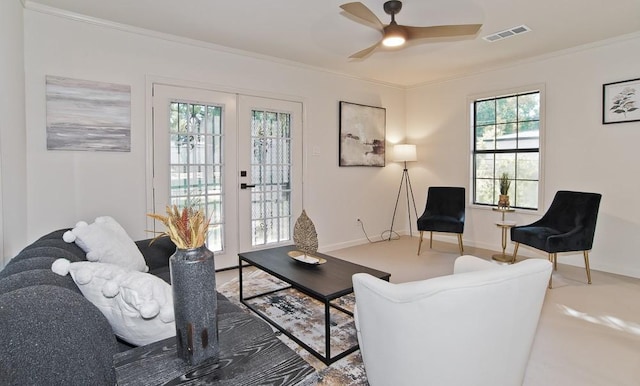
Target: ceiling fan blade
x: 441, y: 31
x: 365, y: 52
x: 361, y: 11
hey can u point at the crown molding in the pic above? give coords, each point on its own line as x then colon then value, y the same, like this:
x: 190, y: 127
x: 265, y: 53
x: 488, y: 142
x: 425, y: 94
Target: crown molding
x: 40, y: 8
x: 533, y: 59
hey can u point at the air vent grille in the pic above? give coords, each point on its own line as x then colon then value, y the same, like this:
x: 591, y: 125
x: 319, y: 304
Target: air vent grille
x: 507, y: 33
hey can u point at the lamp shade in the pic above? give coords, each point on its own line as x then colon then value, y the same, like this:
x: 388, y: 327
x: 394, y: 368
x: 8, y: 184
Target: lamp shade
x: 404, y: 153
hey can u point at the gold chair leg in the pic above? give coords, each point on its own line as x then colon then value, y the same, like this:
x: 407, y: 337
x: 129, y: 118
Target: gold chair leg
x: 420, y: 243
x: 515, y: 253
x: 586, y: 264
x: 460, y: 244
x: 553, y: 258
x: 430, y: 239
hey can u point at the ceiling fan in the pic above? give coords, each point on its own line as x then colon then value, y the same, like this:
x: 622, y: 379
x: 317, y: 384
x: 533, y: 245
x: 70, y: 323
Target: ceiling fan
x: 394, y: 34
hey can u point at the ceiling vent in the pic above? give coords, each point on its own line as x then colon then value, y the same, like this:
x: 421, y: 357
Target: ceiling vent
x: 519, y: 30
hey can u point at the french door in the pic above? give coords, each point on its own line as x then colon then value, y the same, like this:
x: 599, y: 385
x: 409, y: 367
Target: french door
x: 207, y: 143
x: 270, y: 165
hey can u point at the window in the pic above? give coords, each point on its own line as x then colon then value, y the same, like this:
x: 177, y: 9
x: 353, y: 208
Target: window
x: 506, y: 133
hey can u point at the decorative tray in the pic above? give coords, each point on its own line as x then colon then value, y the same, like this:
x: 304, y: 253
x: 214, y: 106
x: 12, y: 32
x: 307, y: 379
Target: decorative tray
x: 307, y: 259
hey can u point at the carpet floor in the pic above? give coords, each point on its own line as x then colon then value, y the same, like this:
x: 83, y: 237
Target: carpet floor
x: 305, y: 317
x: 588, y: 334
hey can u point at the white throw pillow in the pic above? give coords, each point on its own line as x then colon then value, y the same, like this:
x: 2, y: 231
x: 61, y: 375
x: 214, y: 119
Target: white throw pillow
x: 139, y: 306
x: 106, y: 241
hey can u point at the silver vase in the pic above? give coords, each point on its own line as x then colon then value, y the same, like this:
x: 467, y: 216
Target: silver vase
x: 195, y: 304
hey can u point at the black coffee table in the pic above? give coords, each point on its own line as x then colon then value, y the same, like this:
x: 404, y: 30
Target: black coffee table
x: 324, y: 282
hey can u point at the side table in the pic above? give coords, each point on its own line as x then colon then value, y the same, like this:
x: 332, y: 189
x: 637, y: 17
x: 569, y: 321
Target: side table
x: 250, y: 354
x: 504, y: 226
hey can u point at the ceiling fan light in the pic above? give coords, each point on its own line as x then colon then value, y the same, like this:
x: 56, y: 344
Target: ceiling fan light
x: 393, y: 41
x: 394, y: 35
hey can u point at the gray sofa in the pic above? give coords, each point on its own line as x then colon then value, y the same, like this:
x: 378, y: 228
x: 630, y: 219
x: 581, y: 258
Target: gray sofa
x: 49, y: 333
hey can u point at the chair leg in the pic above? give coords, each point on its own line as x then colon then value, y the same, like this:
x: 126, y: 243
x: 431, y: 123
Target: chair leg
x: 515, y: 253
x: 586, y: 264
x: 553, y: 257
x: 550, y: 276
x: 460, y: 245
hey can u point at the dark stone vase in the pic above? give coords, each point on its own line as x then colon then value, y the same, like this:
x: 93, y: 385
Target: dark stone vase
x: 195, y: 304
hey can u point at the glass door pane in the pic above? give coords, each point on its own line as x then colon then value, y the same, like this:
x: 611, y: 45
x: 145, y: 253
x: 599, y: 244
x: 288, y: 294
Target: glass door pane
x: 196, y: 165
x: 271, y: 166
x: 194, y: 161
x: 270, y: 158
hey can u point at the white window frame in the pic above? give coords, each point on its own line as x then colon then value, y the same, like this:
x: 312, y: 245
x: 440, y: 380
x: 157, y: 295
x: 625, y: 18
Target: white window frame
x: 471, y: 99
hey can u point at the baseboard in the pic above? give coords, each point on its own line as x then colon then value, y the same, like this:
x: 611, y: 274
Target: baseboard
x: 346, y: 244
x: 523, y: 252
x: 635, y: 273
x: 364, y: 240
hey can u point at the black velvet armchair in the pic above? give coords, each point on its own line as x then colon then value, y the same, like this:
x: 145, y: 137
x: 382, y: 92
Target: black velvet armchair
x: 444, y: 213
x: 568, y: 226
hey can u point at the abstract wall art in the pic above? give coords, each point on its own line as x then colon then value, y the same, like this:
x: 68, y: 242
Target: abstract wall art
x: 362, y: 135
x: 88, y: 116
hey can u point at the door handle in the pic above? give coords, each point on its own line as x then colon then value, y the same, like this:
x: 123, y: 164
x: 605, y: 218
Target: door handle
x: 244, y: 186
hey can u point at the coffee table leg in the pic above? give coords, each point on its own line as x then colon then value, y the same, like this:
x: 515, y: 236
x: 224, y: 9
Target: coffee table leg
x: 240, y: 277
x: 326, y: 359
x: 327, y: 330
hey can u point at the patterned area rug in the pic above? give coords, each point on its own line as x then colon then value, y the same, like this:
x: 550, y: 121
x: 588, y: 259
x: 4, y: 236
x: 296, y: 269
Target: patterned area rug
x: 305, y: 317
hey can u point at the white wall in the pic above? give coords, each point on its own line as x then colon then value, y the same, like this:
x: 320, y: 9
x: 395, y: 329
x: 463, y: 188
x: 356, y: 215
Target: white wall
x: 64, y: 187
x: 580, y: 153
x: 13, y: 199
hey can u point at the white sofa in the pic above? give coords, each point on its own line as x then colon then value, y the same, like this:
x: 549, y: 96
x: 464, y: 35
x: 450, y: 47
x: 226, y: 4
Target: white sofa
x: 475, y: 327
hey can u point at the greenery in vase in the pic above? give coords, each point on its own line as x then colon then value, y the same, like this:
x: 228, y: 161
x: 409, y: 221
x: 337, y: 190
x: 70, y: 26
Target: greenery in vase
x: 187, y: 228
x: 505, y: 183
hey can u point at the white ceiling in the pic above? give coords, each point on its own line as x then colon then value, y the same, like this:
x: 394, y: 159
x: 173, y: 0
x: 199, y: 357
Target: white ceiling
x: 317, y: 33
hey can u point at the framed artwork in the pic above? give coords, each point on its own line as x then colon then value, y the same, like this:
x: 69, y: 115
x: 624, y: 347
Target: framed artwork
x: 362, y: 135
x: 88, y: 116
x: 621, y: 101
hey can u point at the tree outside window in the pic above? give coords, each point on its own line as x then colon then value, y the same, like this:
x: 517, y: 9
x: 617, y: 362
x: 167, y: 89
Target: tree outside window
x: 506, y: 132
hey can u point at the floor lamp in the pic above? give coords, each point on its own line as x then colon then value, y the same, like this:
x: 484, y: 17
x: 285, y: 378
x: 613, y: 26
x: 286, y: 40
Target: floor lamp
x: 404, y: 153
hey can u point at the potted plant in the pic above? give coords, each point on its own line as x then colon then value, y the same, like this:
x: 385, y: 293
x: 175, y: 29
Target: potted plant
x: 505, y: 183
x: 193, y: 283
x: 187, y: 227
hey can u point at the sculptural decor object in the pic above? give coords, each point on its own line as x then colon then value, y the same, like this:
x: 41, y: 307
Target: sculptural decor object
x: 306, y: 239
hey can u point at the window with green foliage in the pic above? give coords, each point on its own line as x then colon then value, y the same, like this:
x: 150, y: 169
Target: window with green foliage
x: 506, y: 132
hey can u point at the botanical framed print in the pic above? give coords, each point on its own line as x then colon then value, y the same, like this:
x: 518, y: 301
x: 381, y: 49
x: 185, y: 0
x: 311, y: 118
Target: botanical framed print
x: 362, y: 135
x: 621, y: 101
